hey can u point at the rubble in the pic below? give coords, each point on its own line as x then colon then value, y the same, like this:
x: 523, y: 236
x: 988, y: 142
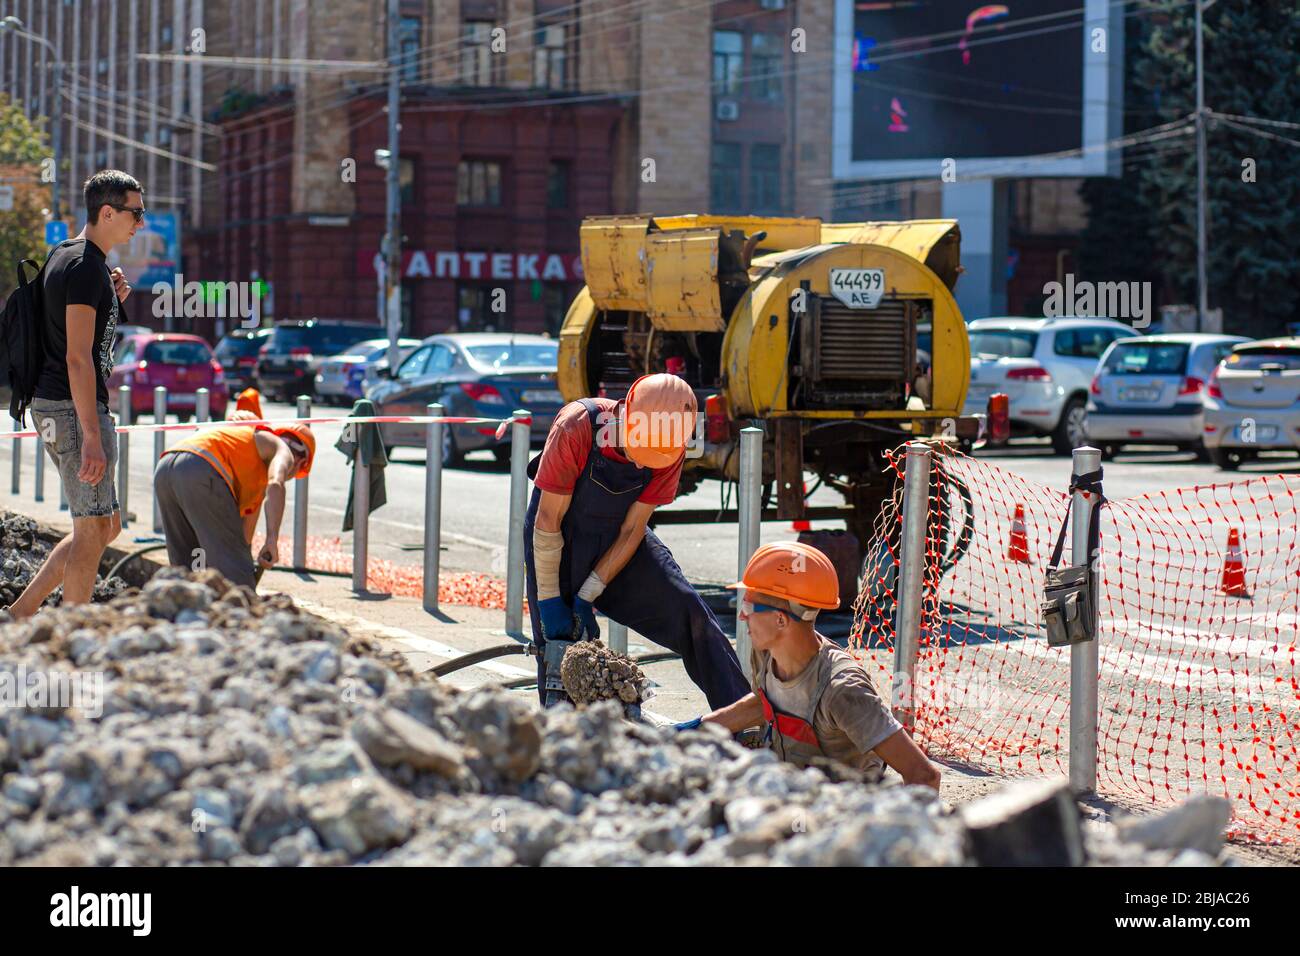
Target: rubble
x: 592, y: 672
x: 235, y: 729
x: 23, y: 550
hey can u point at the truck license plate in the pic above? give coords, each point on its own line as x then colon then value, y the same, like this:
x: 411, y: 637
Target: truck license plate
x: 858, y: 288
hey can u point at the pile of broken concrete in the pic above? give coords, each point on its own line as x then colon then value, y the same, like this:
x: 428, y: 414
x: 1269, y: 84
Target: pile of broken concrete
x: 23, y: 548
x: 232, y: 728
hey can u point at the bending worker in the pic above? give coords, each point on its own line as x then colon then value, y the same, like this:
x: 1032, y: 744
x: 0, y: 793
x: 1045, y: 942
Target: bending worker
x: 816, y: 701
x: 211, y: 486
x: 606, y: 466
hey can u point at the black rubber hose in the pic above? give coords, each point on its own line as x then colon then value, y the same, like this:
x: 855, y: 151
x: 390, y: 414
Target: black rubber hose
x: 134, y: 554
x: 478, y: 657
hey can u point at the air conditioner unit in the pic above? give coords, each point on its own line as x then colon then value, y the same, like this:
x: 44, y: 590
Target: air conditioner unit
x: 728, y: 110
x: 772, y: 4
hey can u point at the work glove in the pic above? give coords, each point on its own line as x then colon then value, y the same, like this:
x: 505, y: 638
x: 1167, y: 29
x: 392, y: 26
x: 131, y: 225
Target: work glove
x: 689, y: 724
x: 584, y: 621
x: 556, y: 617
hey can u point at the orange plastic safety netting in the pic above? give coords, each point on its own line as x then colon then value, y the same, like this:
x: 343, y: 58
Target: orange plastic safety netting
x: 464, y: 588
x: 1198, y: 690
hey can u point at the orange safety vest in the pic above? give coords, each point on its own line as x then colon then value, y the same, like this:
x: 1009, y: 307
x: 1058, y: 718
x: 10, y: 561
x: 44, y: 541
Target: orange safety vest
x: 232, y: 453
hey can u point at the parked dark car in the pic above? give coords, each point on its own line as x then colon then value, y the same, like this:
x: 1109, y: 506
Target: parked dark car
x: 237, y: 353
x: 181, y: 363
x: 479, y: 375
x: 290, y: 357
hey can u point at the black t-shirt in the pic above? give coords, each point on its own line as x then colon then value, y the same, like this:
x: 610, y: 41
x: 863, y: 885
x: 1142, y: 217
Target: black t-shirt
x: 77, y: 274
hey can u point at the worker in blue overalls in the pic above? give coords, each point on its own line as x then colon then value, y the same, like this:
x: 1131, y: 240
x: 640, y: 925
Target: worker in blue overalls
x: 605, y: 468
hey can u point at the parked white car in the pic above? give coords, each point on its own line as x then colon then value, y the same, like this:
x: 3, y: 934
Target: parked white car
x: 1045, y: 367
x: 1148, y: 390
x: 1252, y: 402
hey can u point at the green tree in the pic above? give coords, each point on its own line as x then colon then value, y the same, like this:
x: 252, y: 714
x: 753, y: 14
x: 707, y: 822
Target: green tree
x: 22, y: 150
x: 1149, y: 217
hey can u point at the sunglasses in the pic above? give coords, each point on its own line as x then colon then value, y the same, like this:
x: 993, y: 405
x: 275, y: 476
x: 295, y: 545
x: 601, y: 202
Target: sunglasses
x: 137, y: 211
x: 748, y: 607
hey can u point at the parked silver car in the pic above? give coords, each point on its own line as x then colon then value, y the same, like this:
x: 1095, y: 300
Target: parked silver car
x: 342, y: 379
x: 1044, y: 367
x: 1252, y: 402
x: 1148, y: 390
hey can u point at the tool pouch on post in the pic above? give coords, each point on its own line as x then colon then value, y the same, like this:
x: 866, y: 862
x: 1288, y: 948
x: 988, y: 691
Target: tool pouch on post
x: 1069, y: 606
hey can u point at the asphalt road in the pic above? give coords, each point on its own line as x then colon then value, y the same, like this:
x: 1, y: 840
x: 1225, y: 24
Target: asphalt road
x: 476, y: 498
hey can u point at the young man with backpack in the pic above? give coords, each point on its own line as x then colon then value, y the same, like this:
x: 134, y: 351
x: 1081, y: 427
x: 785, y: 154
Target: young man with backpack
x: 79, y: 312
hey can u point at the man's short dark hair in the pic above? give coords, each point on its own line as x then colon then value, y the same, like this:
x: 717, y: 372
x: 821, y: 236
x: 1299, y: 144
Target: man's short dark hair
x: 108, y: 186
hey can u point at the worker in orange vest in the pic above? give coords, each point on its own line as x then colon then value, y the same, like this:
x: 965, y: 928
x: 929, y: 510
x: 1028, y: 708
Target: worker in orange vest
x: 814, y: 699
x: 211, y: 486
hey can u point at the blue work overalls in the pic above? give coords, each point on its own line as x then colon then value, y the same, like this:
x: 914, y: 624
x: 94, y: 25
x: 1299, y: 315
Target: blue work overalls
x: 650, y: 595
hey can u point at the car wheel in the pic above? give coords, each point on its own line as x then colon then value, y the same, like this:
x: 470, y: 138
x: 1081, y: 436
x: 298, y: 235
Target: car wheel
x: 452, y: 456
x: 1072, y: 431
x: 1226, y: 458
x: 502, y: 454
x: 1202, y: 453
x: 1109, y: 451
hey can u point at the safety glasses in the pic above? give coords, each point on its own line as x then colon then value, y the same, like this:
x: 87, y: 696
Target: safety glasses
x: 749, y: 607
x: 137, y: 211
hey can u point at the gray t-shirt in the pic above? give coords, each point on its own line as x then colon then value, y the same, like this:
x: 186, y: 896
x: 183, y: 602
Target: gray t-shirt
x: 851, y: 719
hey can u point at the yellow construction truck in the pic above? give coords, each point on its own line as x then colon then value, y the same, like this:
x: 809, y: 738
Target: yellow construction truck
x: 842, y: 340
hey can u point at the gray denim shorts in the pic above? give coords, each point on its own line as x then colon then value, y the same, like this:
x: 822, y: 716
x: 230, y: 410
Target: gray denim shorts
x: 60, y: 432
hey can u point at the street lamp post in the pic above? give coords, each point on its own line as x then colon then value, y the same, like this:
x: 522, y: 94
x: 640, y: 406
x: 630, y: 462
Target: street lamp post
x: 56, y: 116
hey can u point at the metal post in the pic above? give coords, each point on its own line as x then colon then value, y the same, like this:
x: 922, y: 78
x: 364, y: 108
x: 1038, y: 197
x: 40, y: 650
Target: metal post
x: 39, y: 483
x: 432, y: 506
x: 16, y: 470
x: 749, y: 502
x: 520, y: 433
x: 1202, y: 293
x: 911, y: 581
x: 360, y: 521
x: 617, y: 637
x: 300, y: 496
x: 159, y: 446
x: 1084, y: 658
x: 123, y: 451
x: 202, y: 406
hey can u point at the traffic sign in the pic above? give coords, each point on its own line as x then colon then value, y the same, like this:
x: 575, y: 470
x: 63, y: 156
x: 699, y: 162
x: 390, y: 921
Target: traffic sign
x: 6, y: 198
x: 56, y: 231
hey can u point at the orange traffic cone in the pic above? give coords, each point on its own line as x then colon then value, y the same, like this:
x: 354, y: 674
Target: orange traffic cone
x: 802, y: 524
x: 1234, y: 567
x: 1018, y: 545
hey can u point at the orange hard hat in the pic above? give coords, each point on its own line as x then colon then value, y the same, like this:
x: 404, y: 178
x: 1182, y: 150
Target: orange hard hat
x: 796, y: 573
x: 304, y: 435
x: 250, y: 400
x: 658, y: 420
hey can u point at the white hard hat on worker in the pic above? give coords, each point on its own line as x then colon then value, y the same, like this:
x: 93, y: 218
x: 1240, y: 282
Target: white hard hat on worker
x: 658, y: 420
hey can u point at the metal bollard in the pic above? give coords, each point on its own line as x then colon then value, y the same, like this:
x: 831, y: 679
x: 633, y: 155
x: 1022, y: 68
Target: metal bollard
x: 749, y: 504
x: 617, y: 637
x: 360, y: 520
x: 300, y: 492
x: 123, y: 451
x: 520, y: 434
x: 1085, y: 657
x: 432, y: 506
x: 39, y: 483
x: 911, y: 581
x: 202, y: 406
x: 159, y: 446
x: 17, y: 464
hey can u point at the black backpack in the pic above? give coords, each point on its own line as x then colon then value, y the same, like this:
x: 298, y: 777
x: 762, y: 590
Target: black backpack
x: 21, y: 349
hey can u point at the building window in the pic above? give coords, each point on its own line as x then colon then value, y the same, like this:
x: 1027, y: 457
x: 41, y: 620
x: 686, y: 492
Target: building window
x: 409, y: 47
x: 478, y: 183
x: 555, y: 304
x: 557, y: 185
x: 766, y: 57
x: 164, y: 135
x: 765, y: 178
x: 728, y: 61
x: 406, y: 180
x: 551, y: 58
x: 166, y: 35
x: 474, y: 312
x: 724, y: 188
x: 478, y: 66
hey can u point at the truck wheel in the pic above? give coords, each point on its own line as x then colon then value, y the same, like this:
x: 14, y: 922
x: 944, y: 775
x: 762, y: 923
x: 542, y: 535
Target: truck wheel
x: 1072, y: 430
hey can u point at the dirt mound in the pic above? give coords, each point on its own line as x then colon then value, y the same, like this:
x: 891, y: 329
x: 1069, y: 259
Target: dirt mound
x: 592, y: 672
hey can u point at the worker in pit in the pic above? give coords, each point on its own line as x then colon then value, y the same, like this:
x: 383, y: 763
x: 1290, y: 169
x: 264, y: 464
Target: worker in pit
x: 210, y: 487
x: 815, y: 701
x: 605, y: 468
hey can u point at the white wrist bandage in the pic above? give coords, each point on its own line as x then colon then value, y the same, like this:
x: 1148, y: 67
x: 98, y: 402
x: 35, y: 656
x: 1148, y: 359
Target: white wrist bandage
x: 591, y: 588
x: 547, y: 548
